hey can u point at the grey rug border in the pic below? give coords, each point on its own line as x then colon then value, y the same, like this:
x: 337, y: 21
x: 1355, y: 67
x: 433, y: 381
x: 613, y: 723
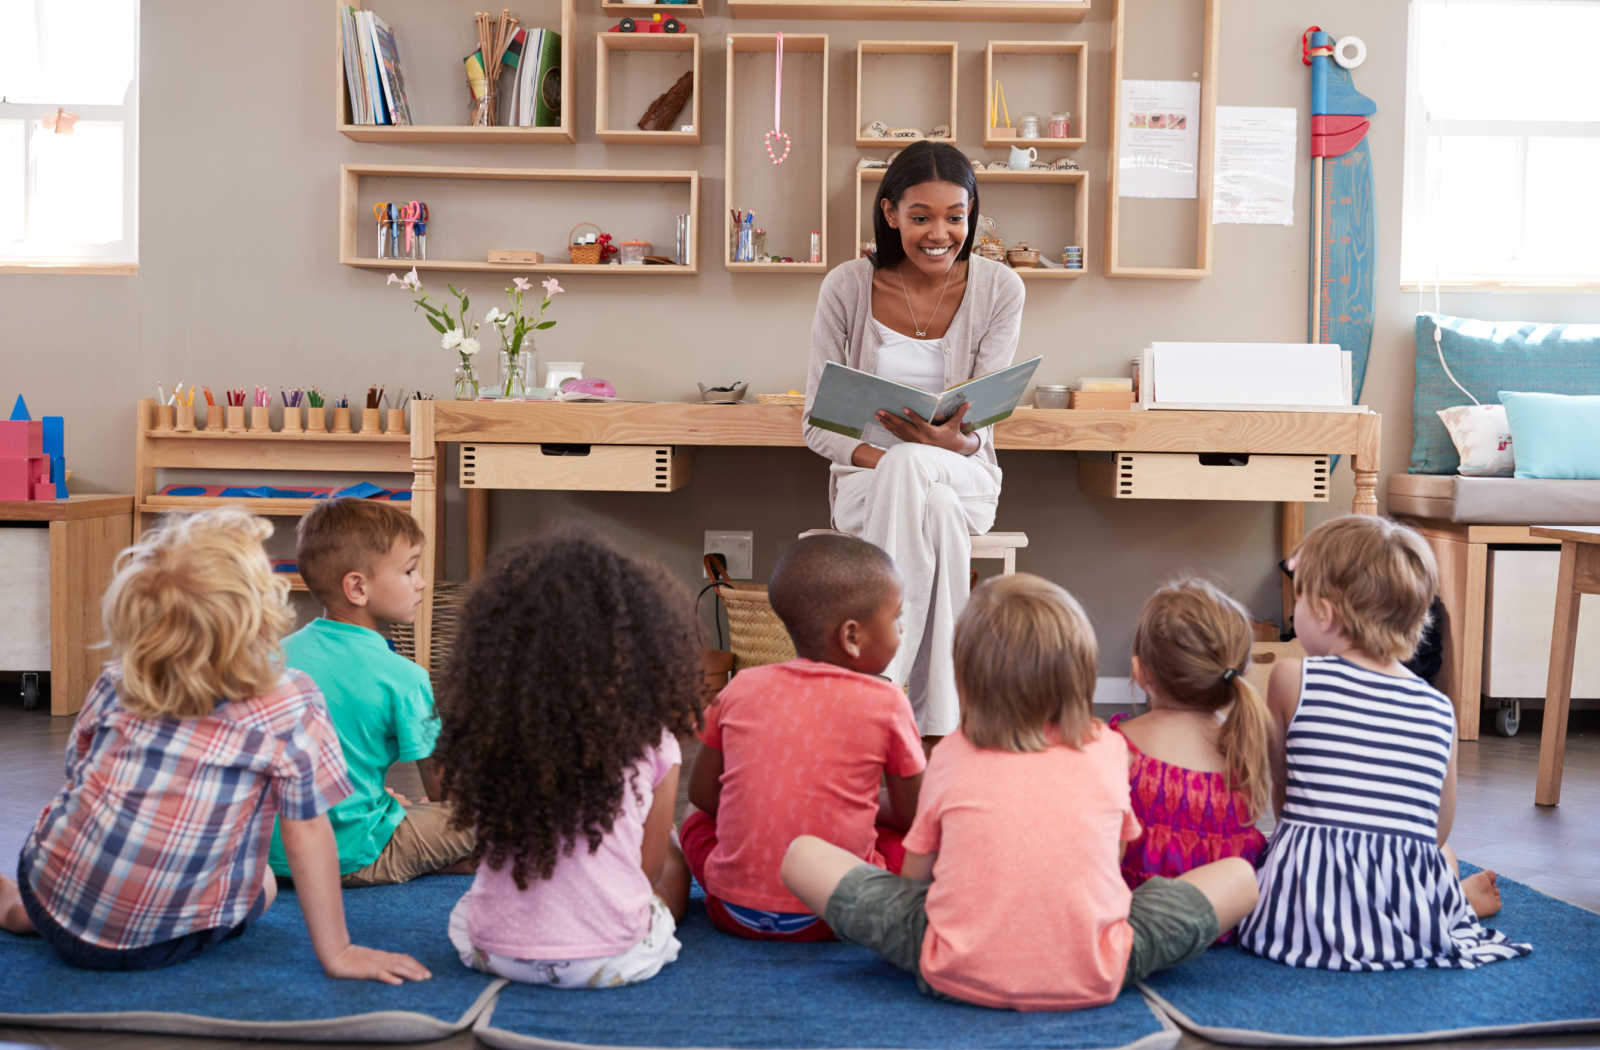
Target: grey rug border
x: 381, y: 1026
x: 1257, y: 1037
x: 483, y: 1029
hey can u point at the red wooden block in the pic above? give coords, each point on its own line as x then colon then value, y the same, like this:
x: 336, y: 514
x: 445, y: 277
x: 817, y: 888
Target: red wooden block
x: 21, y: 437
x: 14, y: 474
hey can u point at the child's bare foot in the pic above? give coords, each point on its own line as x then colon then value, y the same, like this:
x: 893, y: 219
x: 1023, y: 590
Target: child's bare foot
x: 13, y: 917
x: 1483, y: 892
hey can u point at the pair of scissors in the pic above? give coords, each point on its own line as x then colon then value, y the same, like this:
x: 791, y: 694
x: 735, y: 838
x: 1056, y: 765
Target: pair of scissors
x: 422, y: 230
x: 412, y: 214
x: 380, y: 212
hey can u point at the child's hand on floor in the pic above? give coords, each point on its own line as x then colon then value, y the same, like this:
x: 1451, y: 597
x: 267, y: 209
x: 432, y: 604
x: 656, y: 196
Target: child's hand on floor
x: 399, y: 797
x: 370, y: 964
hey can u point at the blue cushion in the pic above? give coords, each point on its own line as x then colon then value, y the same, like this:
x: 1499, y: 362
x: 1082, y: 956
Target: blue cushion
x: 1553, y: 434
x: 1489, y: 356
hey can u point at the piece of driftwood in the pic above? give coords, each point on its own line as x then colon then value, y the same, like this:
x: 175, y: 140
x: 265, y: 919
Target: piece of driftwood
x: 663, y: 112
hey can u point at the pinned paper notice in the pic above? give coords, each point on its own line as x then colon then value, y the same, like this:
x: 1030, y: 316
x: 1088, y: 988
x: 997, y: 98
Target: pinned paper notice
x: 1160, y: 139
x: 1254, y: 176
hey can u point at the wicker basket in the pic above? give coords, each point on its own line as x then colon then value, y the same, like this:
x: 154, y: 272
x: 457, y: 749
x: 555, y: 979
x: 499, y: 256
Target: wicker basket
x: 755, y: 634
x: 448, y: 600
x: 584, y: 254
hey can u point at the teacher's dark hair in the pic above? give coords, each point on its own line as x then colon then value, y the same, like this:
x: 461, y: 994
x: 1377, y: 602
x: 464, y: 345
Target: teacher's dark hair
x: 920, y: 162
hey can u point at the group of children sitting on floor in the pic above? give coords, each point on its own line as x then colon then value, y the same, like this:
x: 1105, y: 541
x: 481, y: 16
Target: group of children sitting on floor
x: 1039, y: 859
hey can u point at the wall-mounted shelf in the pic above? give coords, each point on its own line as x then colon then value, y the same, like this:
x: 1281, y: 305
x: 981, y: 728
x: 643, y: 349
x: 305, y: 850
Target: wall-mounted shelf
x: 1077, y: 180
x: 457, y: 133
x: 1056, y: 70
x: 805, y: 120
x: 696, y: 9
x: 915, y: 10
x: 606, y: 45
x: 908, y: 63
x: 355, y: 226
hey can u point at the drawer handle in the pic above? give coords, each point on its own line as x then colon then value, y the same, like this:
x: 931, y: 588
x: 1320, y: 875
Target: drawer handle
x: 564, y: 450
x: 1223, y: 459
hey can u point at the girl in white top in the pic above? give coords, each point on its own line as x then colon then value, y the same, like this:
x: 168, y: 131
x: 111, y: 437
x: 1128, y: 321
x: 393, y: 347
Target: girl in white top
x: 923, y: 310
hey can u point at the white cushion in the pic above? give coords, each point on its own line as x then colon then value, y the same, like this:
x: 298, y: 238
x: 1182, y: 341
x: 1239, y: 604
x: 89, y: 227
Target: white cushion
x: 1482, y: 438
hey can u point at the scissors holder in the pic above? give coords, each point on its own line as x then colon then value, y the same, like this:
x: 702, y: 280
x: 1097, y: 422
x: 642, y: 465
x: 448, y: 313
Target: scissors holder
x: 164, y: 417
x: 341, y: 419
x: 183, y: 418
x: 395, y: 421
x: 291, y: 419
x: 370, y: 419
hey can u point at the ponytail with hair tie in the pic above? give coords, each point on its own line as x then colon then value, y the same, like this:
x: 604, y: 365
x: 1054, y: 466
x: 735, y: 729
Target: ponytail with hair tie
x: 1229, y: 675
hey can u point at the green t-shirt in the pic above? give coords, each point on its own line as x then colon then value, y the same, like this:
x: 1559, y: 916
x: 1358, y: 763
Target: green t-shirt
x: 381, y: 705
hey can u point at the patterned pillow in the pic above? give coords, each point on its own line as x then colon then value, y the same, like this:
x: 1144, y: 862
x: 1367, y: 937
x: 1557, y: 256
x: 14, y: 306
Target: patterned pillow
x: 1482, y: 438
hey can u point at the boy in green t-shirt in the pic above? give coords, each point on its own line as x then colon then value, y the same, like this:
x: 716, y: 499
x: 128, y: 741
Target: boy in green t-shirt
x: 361, y: 559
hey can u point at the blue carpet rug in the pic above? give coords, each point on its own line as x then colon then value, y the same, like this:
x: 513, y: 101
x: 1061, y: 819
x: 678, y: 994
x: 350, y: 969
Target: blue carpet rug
x: 267, y: 984
x: 1228, y: 996
x: 727, y: 992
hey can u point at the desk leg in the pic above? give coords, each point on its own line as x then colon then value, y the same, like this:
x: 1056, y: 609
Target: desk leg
x: 477, y: 531
x: 1291, y: 529
x: 1558, y: 682
x: 425, y: 507
x: 82, y: 555
x: 1364, y: 465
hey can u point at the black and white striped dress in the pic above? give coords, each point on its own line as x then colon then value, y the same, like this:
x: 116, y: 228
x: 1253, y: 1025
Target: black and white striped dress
x: 1353, y: 878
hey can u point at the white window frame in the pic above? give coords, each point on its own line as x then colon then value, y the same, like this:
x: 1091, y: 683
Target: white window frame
x: 115, y: 258
x: 1419, y: 270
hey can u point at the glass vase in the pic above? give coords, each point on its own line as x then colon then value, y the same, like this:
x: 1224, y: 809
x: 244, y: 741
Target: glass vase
x: 516, y: 371
x: 466, y: 381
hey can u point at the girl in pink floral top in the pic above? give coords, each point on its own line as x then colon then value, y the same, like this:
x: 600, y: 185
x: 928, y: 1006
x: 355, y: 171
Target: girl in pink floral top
x: 1198, y: 758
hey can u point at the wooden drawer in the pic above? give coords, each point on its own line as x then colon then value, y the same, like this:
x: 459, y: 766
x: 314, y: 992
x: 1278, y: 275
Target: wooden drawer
x: 1188, y: 475
x: 593, y: 468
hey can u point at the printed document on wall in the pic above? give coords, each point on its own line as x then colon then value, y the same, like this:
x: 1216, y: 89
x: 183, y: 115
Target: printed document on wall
x: 1160, y: 137
x: 1254, y: 173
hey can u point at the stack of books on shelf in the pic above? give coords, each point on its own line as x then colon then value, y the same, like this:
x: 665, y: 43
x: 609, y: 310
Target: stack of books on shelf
x: 372, y: 70
x: 531, y: 79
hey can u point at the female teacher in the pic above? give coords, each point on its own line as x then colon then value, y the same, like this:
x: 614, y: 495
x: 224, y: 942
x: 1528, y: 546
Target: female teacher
x: 924, y: 311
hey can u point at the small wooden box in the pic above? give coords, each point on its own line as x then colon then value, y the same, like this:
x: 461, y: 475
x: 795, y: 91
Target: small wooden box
x: 507, y: 255
x: 590, y: 468
x: 1115, y: 400
x: 1189, y: 475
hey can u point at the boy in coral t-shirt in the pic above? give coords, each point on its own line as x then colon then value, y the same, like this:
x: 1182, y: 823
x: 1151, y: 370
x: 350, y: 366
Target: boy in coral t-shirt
x: 801, y: 748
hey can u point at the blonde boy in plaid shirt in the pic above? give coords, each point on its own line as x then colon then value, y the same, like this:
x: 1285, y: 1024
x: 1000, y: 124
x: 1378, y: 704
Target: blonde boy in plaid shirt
x: 188, y: 746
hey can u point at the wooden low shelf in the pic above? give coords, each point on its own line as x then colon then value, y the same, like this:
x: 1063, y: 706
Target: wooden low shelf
x: 915, y: 10
x: 893, y: 51
x: 498, y: 134
x: 606, y: 43
x: 1036, y: 50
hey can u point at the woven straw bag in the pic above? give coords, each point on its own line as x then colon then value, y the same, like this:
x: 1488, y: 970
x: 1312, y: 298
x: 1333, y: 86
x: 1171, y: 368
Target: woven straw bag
x: 448, y: 600
x: 755, y: 634
x: 584, y: 254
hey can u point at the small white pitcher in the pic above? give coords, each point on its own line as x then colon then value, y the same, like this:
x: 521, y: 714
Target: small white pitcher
x: 1021, y: 158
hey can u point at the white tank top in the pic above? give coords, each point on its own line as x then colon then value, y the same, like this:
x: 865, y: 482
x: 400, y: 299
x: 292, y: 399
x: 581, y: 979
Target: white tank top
x: 904, y: 359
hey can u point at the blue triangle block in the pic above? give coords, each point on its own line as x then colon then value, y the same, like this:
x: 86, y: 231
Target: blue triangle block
x: 19, y: 411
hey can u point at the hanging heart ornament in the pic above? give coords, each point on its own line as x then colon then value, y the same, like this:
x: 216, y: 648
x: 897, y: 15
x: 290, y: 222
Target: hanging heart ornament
x: 772, y: 153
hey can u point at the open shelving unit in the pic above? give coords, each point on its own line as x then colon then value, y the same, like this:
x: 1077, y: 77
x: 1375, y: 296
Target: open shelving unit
x: 876, y: 59
x: 439, y: 133
x: 615, y: 7
x: 608, y: 44
x: 1078, y: 181
x: 915, y: 10
x: 750, y: 151
x: 354, y: 213
x: 1057, y: 69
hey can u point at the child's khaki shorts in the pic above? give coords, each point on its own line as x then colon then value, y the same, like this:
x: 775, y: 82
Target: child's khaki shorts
x: 422, y: 844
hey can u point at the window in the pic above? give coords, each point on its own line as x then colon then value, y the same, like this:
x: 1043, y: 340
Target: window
x: 1502, y: 144
x: 69, y: 134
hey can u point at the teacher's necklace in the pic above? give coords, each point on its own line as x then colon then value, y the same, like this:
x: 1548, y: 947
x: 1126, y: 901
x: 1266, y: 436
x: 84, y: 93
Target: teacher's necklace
x: 922, y: 331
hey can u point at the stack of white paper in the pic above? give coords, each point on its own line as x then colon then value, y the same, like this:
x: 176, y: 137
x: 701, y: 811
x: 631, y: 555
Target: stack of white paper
x: 1263, y: 376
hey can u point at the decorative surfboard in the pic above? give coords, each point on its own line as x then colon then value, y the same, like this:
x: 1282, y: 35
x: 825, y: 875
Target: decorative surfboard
x: 1343, y: 242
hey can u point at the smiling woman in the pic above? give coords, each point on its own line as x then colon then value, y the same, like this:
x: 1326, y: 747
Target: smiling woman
x: 926, y: 312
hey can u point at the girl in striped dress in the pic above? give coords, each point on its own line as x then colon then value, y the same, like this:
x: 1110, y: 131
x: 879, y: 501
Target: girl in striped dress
x: 1356, y: 876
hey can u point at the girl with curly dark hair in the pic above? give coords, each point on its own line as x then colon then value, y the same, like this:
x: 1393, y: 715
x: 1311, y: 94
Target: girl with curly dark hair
x: 576, y: 665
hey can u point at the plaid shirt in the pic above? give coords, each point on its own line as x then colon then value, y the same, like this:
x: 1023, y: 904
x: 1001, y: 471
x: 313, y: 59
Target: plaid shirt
x: 162, y: 827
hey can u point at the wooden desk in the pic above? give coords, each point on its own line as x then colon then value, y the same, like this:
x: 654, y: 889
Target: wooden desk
x: 86, y: 535
x: 435, y: 423
x: 1579, y: 575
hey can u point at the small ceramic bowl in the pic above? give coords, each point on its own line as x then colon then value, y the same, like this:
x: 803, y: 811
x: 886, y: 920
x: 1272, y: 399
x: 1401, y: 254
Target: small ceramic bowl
x: 722, y: 395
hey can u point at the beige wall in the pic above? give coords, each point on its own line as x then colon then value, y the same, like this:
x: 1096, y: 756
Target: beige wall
x: 239, y: 283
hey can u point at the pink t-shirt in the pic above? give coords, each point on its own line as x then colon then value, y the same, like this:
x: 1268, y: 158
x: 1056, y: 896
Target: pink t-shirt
x: 1027, y: 909
x: 804, y: 745
x: 594, y: 904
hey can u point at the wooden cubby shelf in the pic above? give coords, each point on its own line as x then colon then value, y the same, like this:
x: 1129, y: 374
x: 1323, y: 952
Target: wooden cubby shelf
x: 1040, y: 77
x: 606, y: 44
x: 356, y: 225
x: 1078, y: 180
x: 915, y: 10
x: 694, y: 10
x: 458, y: 133
x: 806, y: 121
x: 905, y: 106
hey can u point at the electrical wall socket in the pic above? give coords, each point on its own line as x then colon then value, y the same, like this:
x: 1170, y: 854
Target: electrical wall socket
x: 737, y: 547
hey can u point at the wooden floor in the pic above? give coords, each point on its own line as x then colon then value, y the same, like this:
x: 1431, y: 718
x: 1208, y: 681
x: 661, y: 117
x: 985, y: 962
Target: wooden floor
x: 1557, y: 851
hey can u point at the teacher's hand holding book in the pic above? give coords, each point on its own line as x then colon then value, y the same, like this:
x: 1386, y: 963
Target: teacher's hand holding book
x: 950, y: 434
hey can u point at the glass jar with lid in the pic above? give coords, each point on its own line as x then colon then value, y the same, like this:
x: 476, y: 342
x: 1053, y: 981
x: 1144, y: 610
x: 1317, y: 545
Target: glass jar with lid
x: 1028, y: 126
x: 1060, y: 126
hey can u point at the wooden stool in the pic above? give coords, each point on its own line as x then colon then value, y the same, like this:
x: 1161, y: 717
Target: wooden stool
x: 999, y: 545
x: 1580, y: 575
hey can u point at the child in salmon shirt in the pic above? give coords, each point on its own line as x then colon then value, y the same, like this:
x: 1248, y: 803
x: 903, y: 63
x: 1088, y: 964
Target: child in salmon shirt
x: 801, y: 748
x: 1021, y: 826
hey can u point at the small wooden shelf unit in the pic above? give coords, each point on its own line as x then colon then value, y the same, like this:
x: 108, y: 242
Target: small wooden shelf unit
x: 605, y: 44
x: 353, y: 230
x: 497, y: 134
x: 915, y: 10
x: 615, y: 7
x: 1078, y: 106
x: 1079, y: 180
x: 939, y: 49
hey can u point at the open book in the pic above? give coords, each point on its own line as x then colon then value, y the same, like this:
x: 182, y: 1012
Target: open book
x: 849, y: 399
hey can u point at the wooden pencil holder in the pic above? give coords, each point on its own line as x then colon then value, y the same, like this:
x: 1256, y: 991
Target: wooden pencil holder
x: 291, y: 419
x: 260, y: 419
x: 235, y: 418
x: 183, y: 418
x: 395, y: 421
x: 316, y: 419
x: 164, y: 417
x: 214, y: 421
x: 370, y: 419
x: 341, y: 419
